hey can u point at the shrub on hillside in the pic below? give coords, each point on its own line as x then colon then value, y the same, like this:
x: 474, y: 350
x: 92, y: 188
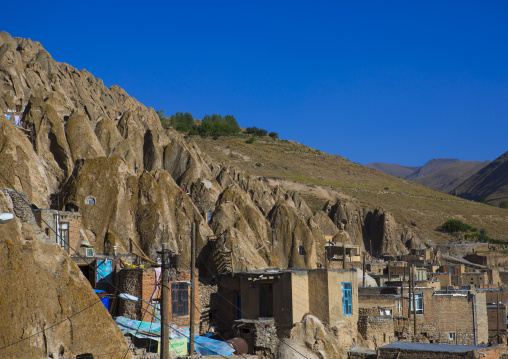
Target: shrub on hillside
x: 182, y: 122
x: 454, y: 225
x: 273, y: 135
x: 503, y: 204
x: 216, y: 125
x: 256, y: 131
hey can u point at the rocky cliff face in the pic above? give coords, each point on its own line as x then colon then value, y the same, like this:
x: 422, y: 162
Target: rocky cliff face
x: 83, y: 140
x: 46, y: 302
x: 86, y: 140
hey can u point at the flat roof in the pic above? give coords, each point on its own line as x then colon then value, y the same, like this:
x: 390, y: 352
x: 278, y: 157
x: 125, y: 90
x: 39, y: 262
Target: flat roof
x: 431, y: 347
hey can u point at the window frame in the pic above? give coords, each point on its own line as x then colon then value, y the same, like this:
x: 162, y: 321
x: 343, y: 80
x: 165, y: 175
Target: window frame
x: 63, y: 235
x: 347, y: 298
x: 180, y: 299
x: 418, y: 299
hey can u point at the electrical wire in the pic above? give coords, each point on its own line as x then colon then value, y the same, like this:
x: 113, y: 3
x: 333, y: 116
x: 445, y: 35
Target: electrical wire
x: 87, y: 264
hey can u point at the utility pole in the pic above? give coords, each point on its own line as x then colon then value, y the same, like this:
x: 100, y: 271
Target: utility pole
x: 363, y: 270
x: 344, y: 256
x: 414, y: 301
x: 497, y: 316
x: 193, y: 287
x: 165, y: 304
x: 409, y: 296
x: 402, y: 292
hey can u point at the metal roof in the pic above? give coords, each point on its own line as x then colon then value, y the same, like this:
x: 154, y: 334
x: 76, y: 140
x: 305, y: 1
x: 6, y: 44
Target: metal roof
x: 430, y: 347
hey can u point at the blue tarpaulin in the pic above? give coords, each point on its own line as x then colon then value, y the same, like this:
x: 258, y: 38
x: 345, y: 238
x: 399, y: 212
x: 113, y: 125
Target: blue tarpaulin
x: 104, y: 298
x: 203, y: 345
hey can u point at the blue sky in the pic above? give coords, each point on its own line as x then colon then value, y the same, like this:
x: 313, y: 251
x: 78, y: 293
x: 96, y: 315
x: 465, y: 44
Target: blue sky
x: 373, y: 81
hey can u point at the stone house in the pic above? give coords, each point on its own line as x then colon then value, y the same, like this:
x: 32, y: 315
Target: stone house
x: 450, y: 317
x: 288, y: 295
x: 337, y: 253
x: 375, y: 317
x: 488, y: 259
x: 405, y: 350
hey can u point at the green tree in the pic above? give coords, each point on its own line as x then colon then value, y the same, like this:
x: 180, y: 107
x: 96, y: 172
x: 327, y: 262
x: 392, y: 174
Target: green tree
x: 273, y: 135
x: 503, y: 204
x: 182, y: 122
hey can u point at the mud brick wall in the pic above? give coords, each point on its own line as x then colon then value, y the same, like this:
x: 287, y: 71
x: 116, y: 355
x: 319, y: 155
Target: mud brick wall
x: 448, y: 318
x: 375, y: 267
x: 348, y: 332
x: 376, y: 331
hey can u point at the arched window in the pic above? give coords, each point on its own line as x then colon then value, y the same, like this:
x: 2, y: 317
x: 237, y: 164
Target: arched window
x: 90, y: 200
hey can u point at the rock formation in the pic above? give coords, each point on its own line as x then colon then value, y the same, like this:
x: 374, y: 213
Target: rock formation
x: 47, y: 304
x: 82, y: 140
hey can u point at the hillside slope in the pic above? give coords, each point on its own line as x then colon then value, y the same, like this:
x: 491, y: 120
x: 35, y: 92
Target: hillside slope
x: 392, y: 169
x: 447, y: 178
x: 322, y: 177
x: 490, y: 183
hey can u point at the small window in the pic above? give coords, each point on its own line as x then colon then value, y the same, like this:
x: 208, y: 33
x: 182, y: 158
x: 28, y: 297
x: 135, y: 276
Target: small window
x: 347, y: 299
x: 90, y: 200
x: 89, y: 252
x: 418, y: 299
x: 451, y: 336
x: 209, y: 216
x: 301, y: 251
x: 180, y: 299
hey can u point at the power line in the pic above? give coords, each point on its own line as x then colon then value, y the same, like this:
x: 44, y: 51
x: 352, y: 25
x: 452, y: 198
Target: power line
x: 87, y: 264
x: 242, y: 312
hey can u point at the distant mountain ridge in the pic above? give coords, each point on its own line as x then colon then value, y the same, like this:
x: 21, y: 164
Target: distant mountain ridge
x: 489, y: 183
x: 442, y: 174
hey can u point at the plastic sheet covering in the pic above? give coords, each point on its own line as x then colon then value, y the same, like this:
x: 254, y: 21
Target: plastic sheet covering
x: 202, y: 345
x: 139, y: 329
x: 208, y: 346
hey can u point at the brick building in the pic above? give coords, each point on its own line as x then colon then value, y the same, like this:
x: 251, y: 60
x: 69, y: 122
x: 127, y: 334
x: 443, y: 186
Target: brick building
x: 62, y: 227
x: 143, y: 284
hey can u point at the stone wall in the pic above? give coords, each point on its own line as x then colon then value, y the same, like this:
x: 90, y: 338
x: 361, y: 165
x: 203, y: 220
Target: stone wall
x: 395, y: 353
x: 462, y: 249
x: 260, y: 335
x: 376, y: 331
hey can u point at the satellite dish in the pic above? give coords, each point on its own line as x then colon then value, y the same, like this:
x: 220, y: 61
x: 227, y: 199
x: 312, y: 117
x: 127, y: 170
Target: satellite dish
x: 5, y: 217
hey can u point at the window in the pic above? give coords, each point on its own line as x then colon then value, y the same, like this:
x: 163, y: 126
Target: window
x: 399, y: 306
x: 347, y: 299
x: 90, y: 200
x: 209, y: 216
x: 89, y: 252
x: 301, y: 251
x: 451, y: 336
x: 180, y: 299
x: 63, y: 235
x: 266, y: 300
x: 238, y: 305
x: 418, y: 301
